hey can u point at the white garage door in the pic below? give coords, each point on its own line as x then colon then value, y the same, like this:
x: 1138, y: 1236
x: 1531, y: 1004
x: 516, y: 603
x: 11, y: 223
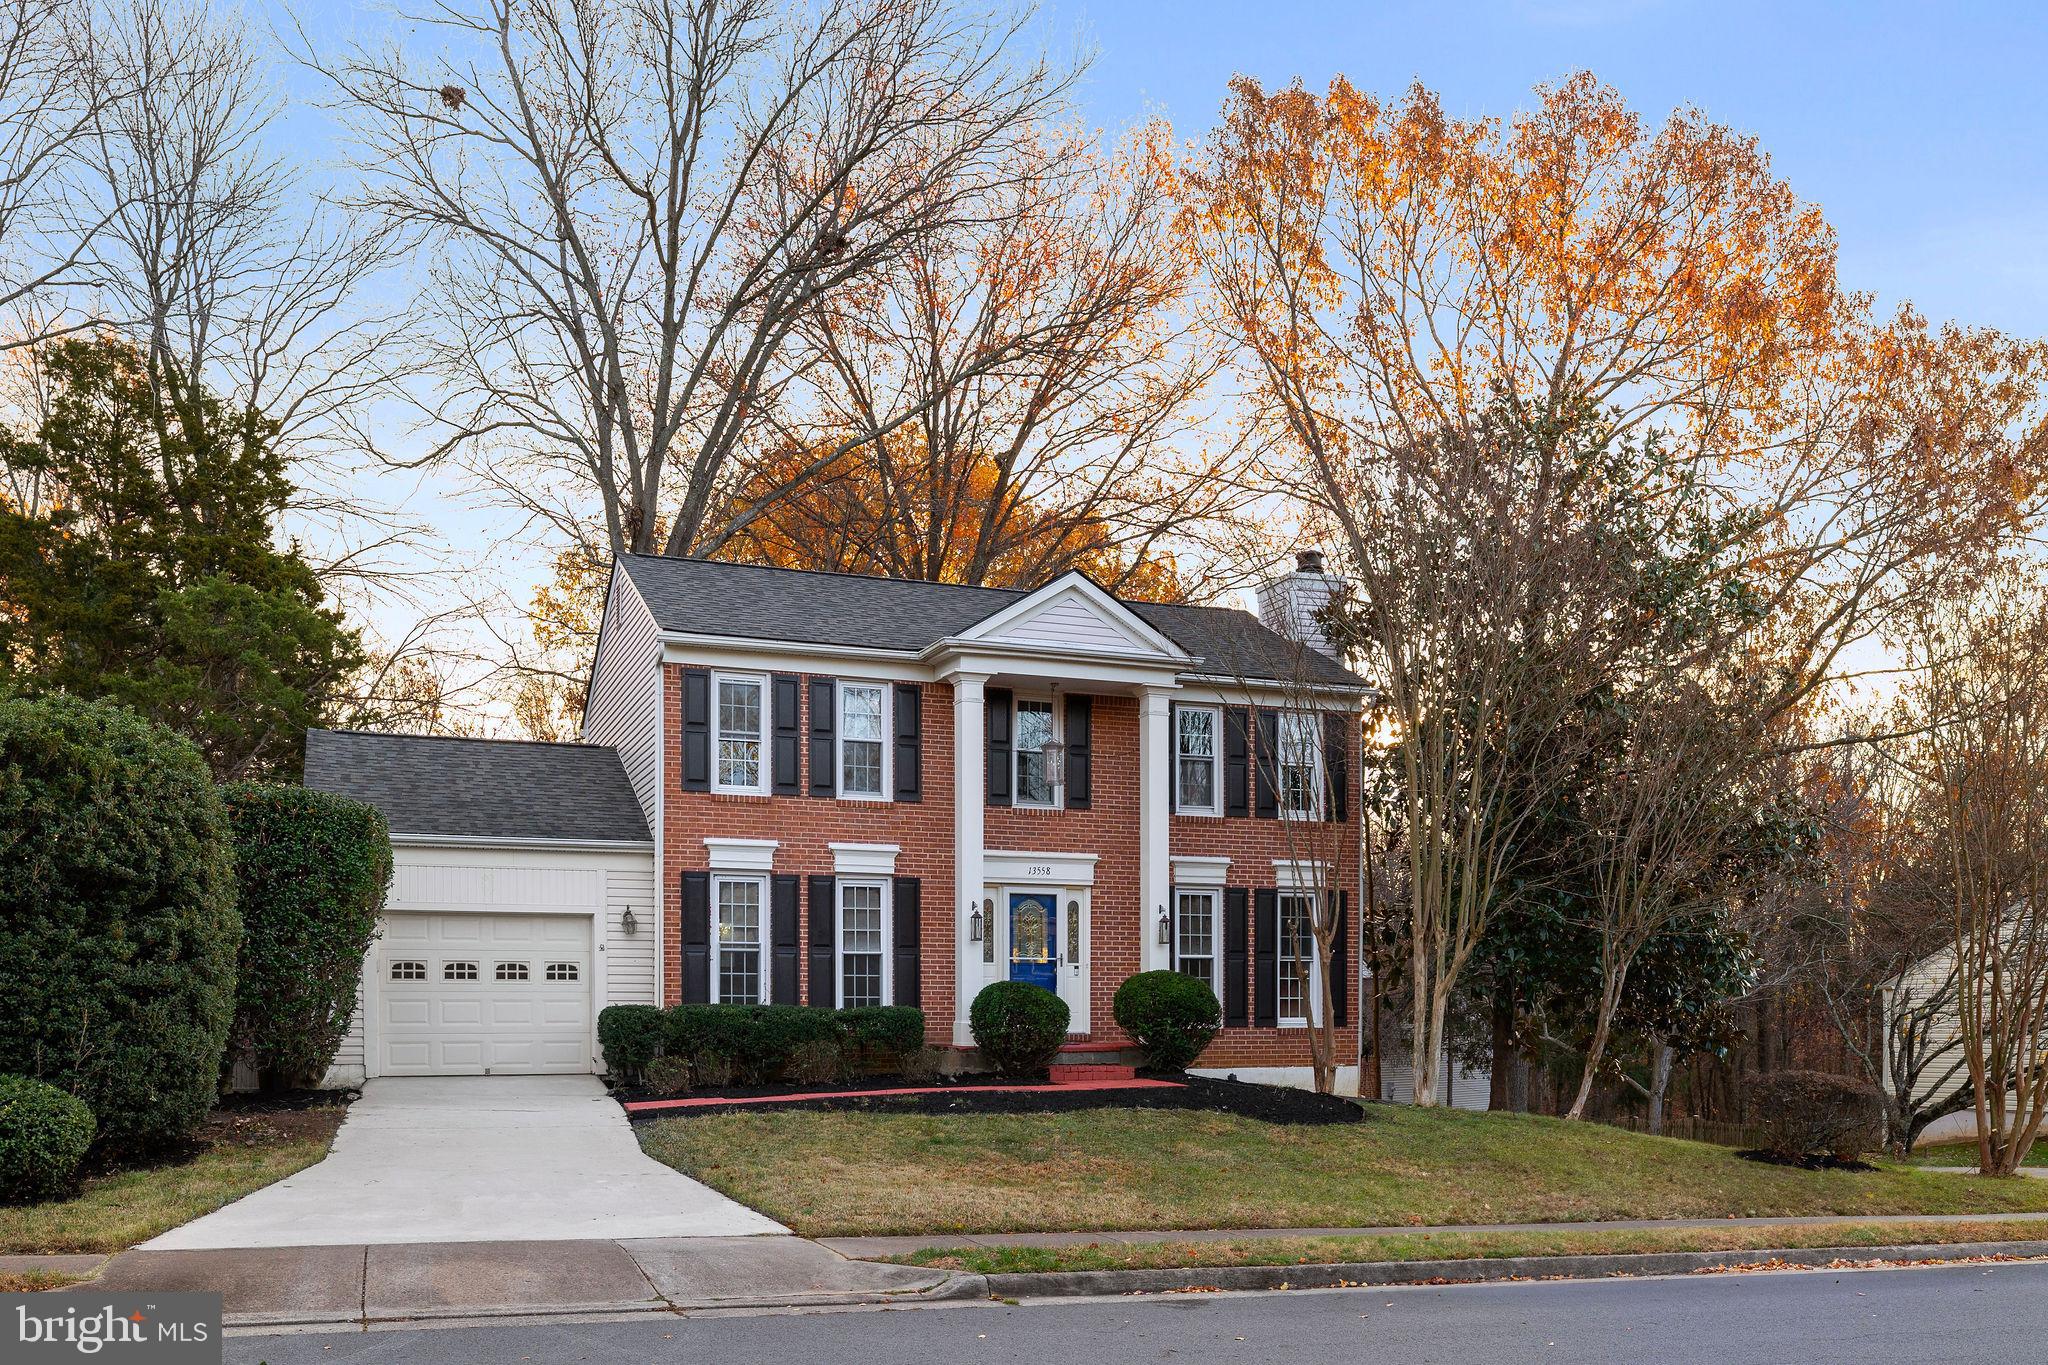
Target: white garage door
x: 477, y: 994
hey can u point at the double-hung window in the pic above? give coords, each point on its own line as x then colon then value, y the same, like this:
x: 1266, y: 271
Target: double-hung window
x: 1195, y: 936
x: 741, y: 960
x: 1300, y: 764
x: 863, y: 943
x: 1299, y: 1002
x: 863, y: 748
x: 1195, y: 759
x: 739, y: 733
x: 1034, y: 731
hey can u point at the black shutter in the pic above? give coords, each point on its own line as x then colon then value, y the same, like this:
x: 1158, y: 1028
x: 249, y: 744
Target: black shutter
x: 1267, y: 764
x: 1237, y: 761
x: 696, y: 730
x: 1337, y: 762
x: 907, y: 980
x: 695, y: 928
x: 786, y: 969
x: 1340, y: 976
x: 789, y: 736
x: 1266, y: 958
x: 824, y: 714
x: 824, y: 986
x: 909, y: 742
x: 996, y: 719
x: 1080, y: 718
x: 1236, y: 955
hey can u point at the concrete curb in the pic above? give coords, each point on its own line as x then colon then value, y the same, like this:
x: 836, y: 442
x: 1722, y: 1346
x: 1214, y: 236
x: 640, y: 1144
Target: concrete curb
x: 951, y: 1285
x: 1072, y: 1283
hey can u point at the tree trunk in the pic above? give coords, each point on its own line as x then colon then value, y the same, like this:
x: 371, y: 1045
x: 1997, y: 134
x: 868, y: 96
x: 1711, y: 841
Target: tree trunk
x: 1660, y: 1081
x: 1422, y: 1058
x: 1500, y: 1087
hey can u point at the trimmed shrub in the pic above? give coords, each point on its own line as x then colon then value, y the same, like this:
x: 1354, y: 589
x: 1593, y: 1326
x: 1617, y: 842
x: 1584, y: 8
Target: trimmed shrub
x: 668, y: 1075
x: 1019, y: 1027
x: 44, y: 1134
x: 630, y: 1036
x: 753, y: 1042
x: 882, y: 1035
x: 921, y: 1066
x: 311, y: 870
x: 1172, y: 1016
x: 117, y: 950
x: 1813, y: 1113
x: 818, y: 1061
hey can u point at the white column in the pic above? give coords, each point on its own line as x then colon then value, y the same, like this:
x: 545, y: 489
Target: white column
x: 970, y: 750
x: 1154, y: 870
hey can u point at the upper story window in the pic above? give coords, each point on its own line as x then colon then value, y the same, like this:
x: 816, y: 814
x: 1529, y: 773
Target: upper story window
x: 1194, y: 741
x: 863, y: 750
x: 1034, y: 774
x: 1299, y: 764
x: 739, y: 721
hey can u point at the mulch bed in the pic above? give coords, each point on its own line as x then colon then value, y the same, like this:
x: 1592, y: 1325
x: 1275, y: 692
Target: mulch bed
x: 952, y: 1095
x: 1806, y: 1163
x: 248, y: 1121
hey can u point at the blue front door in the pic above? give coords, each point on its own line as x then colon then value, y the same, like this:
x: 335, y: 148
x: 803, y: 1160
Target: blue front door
x: 1034, y: 925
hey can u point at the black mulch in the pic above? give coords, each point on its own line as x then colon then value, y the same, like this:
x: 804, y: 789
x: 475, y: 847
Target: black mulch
x: 282, y: 1101
x: 1813, y: 1162
x: 1270, y: 1103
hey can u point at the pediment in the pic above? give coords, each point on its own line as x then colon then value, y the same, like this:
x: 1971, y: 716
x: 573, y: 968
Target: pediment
x: 1072, y: 614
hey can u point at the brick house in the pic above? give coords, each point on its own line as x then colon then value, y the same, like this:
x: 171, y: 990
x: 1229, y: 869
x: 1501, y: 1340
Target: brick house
x: 834, y: 790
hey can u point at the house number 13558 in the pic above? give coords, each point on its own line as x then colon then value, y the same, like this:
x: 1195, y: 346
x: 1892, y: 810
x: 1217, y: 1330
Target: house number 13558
x: 1038, y: 870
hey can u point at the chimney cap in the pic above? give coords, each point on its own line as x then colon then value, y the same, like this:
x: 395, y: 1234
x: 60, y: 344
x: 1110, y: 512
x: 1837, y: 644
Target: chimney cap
x: 1308, y: 561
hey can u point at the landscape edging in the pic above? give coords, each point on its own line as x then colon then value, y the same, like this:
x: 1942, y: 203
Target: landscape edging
x: 1470, y: 1270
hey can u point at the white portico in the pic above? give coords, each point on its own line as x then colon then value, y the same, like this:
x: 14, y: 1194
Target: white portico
x: 1070, y: 637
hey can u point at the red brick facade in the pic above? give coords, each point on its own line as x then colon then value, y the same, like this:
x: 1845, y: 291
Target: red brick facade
x: 805, y: 826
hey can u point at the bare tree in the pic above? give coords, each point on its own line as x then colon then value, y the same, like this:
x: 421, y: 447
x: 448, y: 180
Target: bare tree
x: 628, y: 210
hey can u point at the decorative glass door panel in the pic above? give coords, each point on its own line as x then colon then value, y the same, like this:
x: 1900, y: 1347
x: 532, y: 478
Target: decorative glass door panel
x: 1034, y: 939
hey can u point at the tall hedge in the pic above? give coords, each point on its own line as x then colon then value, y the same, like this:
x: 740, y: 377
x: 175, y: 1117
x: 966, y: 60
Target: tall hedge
x: 311, y: 870
x: 118, y: 929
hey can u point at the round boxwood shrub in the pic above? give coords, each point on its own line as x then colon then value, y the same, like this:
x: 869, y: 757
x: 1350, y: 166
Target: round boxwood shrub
x: 1172, y: 1016
x: 1018, y: 1026
x: 44, y: 1134
x: 311, y: 870
x: 882, y: 1034
x: 1814, y: 1113
x: 118, y: 929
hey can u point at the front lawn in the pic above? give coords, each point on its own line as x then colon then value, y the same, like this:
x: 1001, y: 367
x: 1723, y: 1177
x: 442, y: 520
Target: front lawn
x: 848, y: 1174
x: 240, y: 1152
x: 1452, y: 1245
x: 1965, y: 1154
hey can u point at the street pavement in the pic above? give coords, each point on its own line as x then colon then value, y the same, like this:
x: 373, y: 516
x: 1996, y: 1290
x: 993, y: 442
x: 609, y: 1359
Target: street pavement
x: 1961, y: 1315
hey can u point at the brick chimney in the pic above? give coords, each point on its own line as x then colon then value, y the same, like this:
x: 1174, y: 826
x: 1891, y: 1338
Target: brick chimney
x: 1288, y: 604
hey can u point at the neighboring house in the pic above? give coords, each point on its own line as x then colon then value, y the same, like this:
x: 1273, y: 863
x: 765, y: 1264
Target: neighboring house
x: 833, y: 790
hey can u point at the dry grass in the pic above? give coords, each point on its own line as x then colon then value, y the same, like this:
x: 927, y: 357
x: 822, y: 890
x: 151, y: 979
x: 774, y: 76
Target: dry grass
x: 1453, y: 1245
x: 847, y: 1174
x: 112, y: 1212
x: 35, y: 1281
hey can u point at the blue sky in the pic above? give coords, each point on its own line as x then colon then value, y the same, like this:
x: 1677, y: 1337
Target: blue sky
x: 1918, y: 128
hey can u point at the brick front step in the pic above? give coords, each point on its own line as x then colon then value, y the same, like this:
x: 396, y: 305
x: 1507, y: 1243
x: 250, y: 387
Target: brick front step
x: 1078, y: 1074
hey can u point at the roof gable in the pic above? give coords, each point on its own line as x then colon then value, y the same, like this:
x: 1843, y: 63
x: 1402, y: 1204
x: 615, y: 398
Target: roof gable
x: 1072, y: 613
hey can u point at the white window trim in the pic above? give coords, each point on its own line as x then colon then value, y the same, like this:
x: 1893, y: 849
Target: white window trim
x: 1302, y: 874
x: 1315, y: 962
x: 766, y: 735
x: 1215, y: 806
x: 1059, y: 786
x: 864, y: 860
x: 741, y: 855
x: 1318, y: 788
x: 1214, y: 891
x: 1200, y: 869
x: 839, y: 936
x: 718, y: 880
x: 888, y: 745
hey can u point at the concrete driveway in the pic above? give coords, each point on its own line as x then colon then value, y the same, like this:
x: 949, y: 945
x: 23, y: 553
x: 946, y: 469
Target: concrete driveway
x: 475, y: 1159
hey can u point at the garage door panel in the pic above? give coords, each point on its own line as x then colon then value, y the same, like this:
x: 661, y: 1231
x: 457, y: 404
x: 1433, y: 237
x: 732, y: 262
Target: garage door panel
x: 470, y: 993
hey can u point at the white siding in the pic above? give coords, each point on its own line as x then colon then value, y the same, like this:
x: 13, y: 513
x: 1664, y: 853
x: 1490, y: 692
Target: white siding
x: 1070, y: 621
x: 624, y: 709
x: 1464, y: 1089
x: 525, y: 881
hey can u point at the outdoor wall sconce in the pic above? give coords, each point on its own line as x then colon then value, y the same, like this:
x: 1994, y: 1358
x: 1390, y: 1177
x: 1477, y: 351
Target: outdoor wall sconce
x: 630, y: 925
x: 974, y: 926
x: 1165, y: 929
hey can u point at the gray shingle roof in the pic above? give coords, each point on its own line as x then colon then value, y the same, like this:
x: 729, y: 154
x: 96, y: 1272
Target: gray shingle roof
x: 752, y: 602
x: 479, y: 788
